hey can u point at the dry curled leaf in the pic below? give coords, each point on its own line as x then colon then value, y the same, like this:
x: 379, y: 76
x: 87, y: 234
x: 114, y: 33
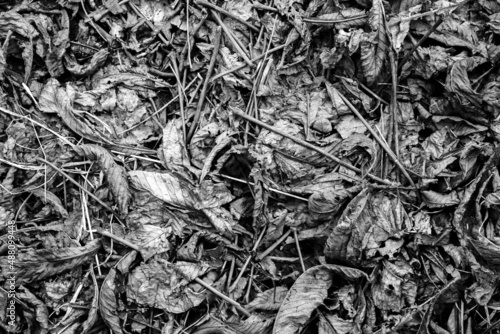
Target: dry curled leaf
x: 307, y: 293
x: 375, y: 45
x: 115, y: 174
x: 178, y: 192
x: 33, y: 265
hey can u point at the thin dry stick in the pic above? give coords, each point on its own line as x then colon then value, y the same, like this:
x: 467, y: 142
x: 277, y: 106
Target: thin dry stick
x: 205, y: 85
x: 245, y: 65
x: 240, y: 275
x: 159, y: 110
x: 148, y: 22
x: 377, y: 138
x: 249, y: 286
x: 221, y: 295
x: 310, y: 146
x: 295, y: 236
x: 231, y: 268
x: 420, y: 42
x: 233, y: 40
x: 187, y: 46
x: 271, y: 189
x: 37, y: 123
x: 225, y: 12
x: 107, y: 207
x: 245, y: 265
x: 273, y: 246
x: 313, y: 20
x: 181, y: 91
x: 366, y: 89
x: 394, y: 101
x: 308, y: 117
x: 118, y: 239
x: 264, y: 7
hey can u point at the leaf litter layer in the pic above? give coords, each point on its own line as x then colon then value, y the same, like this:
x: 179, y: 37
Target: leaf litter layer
x: 250, y: 167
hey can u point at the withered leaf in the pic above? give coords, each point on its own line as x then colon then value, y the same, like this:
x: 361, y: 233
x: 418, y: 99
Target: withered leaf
x: 307, y: 293
x: 208, y: 197
x: 33, y: 265
x: 375, y: 46
x: 115, y: 174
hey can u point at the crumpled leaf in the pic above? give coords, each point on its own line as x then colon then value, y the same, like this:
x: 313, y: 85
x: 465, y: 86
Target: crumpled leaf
x: 174, y: 153
x: 438, y: 200
x: 41, y: 311
x: 357, y: 15
x: 269, y: 300
x: 115, y: 174
x: 399, y: 27
x: 92, y: 317
x: 164, y: 285
x: 395, y: 288
x: 33, y: 265
x: 333, y: 324
x: 178, y: 192
x: 348, y: 125
x: 60, y: 42
x: 48, y: 197
x: 150, y: 239
x: 15, y: 22
x: 459, y: 126
x: 458, y: 82
x: 368, y: 221
x: 255, y: 324
x: 307, y: 293
x: 108, y: 303
x: 55, y: 99
x: 97, y: 61
x: 375, y: 45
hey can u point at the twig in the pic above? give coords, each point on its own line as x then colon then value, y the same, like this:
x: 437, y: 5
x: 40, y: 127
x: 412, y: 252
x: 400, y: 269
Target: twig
x: 233, y: 40
x: 39, y: 124
x: 160, y: 73
x: 182, y: 93
x: 310, y: 146
x: 394, y: 101
x: 247, y: 261
x: 313, y: 20
x: 271, y: 189
x: 107, y: 207
x: 273, y: 246
x: 225, y: 12
x: 264, y: 7
x: 84, y: 45
x: 298, y: 249
x: 148, y: 22
x: 187, y: 46
x: 157, y: 111
x: 377, y: 138
x: 118, y: 239
x: 366, y: 89
x: 205, y: 85
x: 240, y: 275
x: 221, y: 295
x: 245, y: 65
x: 420, y: 42
x: 308, y: 117
x: 231, y: 268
